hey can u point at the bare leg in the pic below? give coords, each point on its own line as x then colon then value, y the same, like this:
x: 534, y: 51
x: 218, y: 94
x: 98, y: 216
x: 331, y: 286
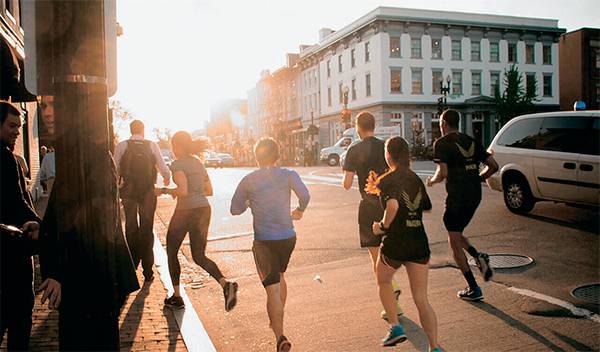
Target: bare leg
x: 385, y: 275
x: 417, y: 276
x: 283, y: 289
x: 458, y: 243
x: 275, y: 309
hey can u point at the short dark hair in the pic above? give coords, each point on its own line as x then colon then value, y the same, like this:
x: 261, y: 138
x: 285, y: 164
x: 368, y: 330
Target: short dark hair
x: 365, y: 120
x: 7, y: 108
x: 136, y: 127
x: 452, y: 117
x: 266, y: 151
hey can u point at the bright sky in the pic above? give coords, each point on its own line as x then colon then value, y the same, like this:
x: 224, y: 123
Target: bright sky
x: 177, y: 57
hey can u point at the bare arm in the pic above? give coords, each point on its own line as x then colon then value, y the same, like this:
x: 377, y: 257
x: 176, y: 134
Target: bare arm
x: 441, y: 172
x: 348, y: 179
x: 182, y: 185
x: 391, y: 209
x: 490, y: 169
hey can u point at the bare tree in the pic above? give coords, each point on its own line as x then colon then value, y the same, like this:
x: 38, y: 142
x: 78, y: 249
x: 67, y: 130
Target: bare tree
x: 164, y: 137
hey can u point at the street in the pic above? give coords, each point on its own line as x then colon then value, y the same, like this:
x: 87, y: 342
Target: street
x: 341, y: 310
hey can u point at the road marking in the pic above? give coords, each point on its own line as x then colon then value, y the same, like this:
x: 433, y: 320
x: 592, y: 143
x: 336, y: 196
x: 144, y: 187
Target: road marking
x: 194, y: 335
x: 579, y: 312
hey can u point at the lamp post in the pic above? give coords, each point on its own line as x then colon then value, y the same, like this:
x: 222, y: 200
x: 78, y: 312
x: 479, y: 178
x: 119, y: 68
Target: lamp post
x: 346, y: 113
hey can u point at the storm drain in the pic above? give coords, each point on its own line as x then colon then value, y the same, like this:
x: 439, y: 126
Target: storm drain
x: 506, y: 261
x: 589, y: 293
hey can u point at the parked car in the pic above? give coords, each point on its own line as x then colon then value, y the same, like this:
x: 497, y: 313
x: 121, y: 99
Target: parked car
x: 343, y: 156
x: 212, y: 160
x: 226, y: 160
x: 548, y: 156
x: 332, y: 155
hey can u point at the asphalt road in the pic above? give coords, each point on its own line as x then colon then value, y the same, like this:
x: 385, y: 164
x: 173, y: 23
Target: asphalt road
x: 563, y: 242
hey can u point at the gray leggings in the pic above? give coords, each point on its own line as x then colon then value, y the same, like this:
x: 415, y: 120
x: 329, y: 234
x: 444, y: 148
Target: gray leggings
x: 196, y: 222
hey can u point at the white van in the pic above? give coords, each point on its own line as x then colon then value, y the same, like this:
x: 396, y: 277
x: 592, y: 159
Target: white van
x: 332, y: 155
x: 549, y: 156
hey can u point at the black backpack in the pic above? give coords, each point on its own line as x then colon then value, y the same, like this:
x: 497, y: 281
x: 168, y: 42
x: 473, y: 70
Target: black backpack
x: 137, y: 169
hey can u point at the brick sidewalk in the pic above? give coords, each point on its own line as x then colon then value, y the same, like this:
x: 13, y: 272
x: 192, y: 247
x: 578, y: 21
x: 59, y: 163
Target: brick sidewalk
x: 145, y: 325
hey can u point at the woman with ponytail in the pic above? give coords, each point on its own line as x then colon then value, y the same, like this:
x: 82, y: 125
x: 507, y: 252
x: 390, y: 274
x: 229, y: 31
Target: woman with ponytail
x: 192, y: 215
x: 404, y: 198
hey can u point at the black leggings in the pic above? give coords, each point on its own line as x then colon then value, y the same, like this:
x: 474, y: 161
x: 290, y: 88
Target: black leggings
x: 196, y: 222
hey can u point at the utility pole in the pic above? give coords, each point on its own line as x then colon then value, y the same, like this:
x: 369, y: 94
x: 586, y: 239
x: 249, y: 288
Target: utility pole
x: 96, y: 271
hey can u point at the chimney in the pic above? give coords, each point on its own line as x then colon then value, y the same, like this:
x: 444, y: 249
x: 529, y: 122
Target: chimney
x: 324, y: 33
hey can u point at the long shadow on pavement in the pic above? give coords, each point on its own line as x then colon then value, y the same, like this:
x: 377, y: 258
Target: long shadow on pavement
x: 590, y: 225
x: 133, y: 318
x: 578, y: 346
x: 517, y: 324
x: 416, y: 335
x: 173, y: 329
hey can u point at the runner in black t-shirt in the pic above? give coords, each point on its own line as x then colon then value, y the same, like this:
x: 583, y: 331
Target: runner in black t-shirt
x: 404, y: 198
x: 458, y: 157
x: 361, y: 158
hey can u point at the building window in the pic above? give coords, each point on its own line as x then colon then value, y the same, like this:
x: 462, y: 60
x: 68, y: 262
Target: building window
x: 417, y: 81
x: 512, y: 52
x: 415, y: 48
x: 341, y: 92
x: 436, y: 81
x: 328, y: 68
x: 339, y: 63
x: 396, y: 80
x: 436, y: 48
x: 529, y: 81
x: 456, y: 50
x: 475, y: 83
x: 368, y: 84
x: 9, y: 6
x: 396, y: 120
x: 367, y: 53
x: 435, y: 129
x: 394, y: 46
x: 329, y: 96
x: 475, y: 51
x: 547, y: 85
x: 457, y: 82
x: 494, y: 52
x: 353, y: 88
x: 529, y: 54
x: 547, y: 53
x: 494, y: 82
x: 352, y: 58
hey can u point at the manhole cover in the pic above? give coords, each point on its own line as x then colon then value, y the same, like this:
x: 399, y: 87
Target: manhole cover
x: 506, y: 261
x: 588, y: 293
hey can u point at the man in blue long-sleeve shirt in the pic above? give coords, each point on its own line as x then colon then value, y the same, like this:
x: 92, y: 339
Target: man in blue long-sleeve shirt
x: 267, y: 192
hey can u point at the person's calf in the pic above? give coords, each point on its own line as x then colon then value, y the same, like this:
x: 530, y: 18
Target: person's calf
x: 275, y: 308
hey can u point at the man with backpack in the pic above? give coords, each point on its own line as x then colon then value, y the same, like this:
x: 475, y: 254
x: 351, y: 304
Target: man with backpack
x: 137, y: 161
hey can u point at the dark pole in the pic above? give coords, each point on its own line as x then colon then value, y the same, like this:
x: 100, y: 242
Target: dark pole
x: 95, y: 272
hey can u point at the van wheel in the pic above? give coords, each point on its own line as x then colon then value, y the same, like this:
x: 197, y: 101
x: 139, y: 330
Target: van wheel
x: 333, y: 160
x: 517, y: 195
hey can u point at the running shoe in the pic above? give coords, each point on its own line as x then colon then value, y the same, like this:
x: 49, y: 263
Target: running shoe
x: 399, y: 311
x: 283, y: 345
x: 483, y: 263
x: 471, y: 294
x: 437, y: 349
x: 175, y: 302
x: 395, y: 336
x: 230, y: 295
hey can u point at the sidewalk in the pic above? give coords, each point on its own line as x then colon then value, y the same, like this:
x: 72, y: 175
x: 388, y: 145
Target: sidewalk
x: 144, y: 324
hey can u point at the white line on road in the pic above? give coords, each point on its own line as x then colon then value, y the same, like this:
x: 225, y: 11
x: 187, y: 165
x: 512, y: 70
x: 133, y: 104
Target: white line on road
x: 191, y: 328
x: 579, y: 312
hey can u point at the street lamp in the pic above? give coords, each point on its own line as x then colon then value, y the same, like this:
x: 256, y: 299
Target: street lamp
x: 346, y: 113
x: 445, y: 90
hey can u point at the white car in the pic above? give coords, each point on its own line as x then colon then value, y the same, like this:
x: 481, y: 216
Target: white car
x: 549, y: 156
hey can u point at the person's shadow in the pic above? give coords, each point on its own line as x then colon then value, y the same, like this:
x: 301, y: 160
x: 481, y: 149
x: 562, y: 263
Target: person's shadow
x: 519, y: 325
x: 133, y: 318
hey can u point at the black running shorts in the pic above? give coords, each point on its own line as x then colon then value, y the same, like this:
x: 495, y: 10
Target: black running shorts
x: 396, y: 264
x: 272, y: 258
x: 369, y: 211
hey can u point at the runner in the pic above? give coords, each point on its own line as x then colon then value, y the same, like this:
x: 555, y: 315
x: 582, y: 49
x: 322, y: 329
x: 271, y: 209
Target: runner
x: 192, y: 214
x: 267, y: 192
x: 458, y: 157
x: 362, y: 158
x: 404, y: 199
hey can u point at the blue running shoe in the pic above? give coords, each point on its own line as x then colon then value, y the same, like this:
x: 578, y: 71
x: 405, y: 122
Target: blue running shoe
x: 395, y: 336
x: 471, y: 294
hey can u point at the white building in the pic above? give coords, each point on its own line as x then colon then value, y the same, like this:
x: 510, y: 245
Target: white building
x: 392, y: 61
